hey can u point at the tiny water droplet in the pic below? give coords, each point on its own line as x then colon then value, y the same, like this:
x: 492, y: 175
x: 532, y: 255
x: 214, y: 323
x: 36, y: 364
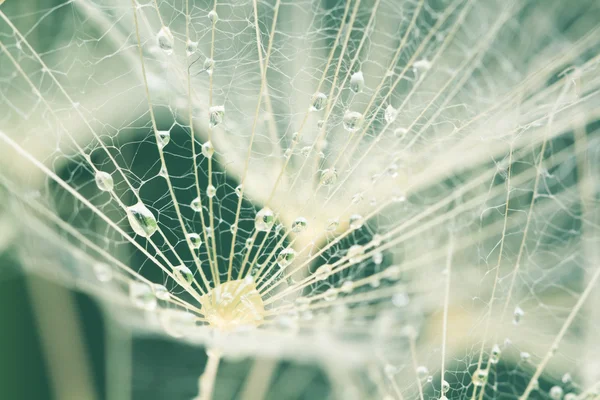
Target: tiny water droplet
x: 330, y: 294
x: 286, y: 257
x: 211, y: 191
x: 213, y: 16
x: 141, y: 220
x: 566, y: 378
x: 422, y: 65
x: 195, y: 240
x: 208, y: 150
x: 191, y: 47
x: 161, y: 292
x: 517, y: 315
x: 163, y: 138
x: 445, y: 387
x: 320, y: 123
x: 392, y: 171
x: 332, y: 225
x: 248, y: 243
x: 264, y: 220
x: 495, y: 354
x: 196, y: 205
x: 556, y: 393
x: 356, y: 221
x: 347, y: 287
x: 357, y: 82
x: 238, y: 190
x: 305, y: 151
x: 390, y: 114
x: 422, y: 372
x: 287, y: 154
x: 352, y: 121
x: 400, y: 299
x: 209, y: 65
x: 299, y: 224
x: 104, y: 181
x: 328, y: 177
x: 480, y: 377
x: 525, y: 356
x: 141, y: 296
x: 357, y: 198
x: 184, y: 273
x: 323, y: 272
x: 354, y: 253
x: 216, y: 114
x: 103, y: 272
x: 400, y: 132
x: 318, y: 101
x: 377, y: 258
x: 165, y: 40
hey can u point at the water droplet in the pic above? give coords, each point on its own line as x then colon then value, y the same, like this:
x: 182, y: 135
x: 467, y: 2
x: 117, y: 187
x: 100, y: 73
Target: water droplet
x: 445, y: 387
x: 400, y: 132
x: 141, y: 220
x: 216, y: 114
x: 356, y: 221
x: 566, y: 378
x: 357, y: 82
x: 330, y: 294
x: 211, y: 191
x: 299, y: 224
x: 196, y: 205
x: 165, y: 40
x: 392, y: 273
x: 352, y: 121
x: 287, y: 153
x: 103, y: 272
x: 213, y: 16
x: 390, y: 114
x: 347, y: 287
x: 429, y: 380
x: 392, y: 171
x: 354, y: 253
x: 525, y: 356
x: 209, y: 65
x: 104, y: 181
x: 400, y: 299
x: 323, y: 272
x: 517, y: 315
x: 184, y: 273
x: 238, y: 190
x: 190, y: 47
x: 495, y: 354
x: 328, y: 177
x: 422, y: 65
x: 163, y: 138
x: 208, y: 150
x: 195, y: 240
x: 357, y: 198
x: 422, y: 372
x: 318, y: 101
x: 377, y: 258
x: 480, y: 377
x: 141, y: 296
x: 556, y: 393
x: 320, y: 123
x: 248, y: 243
x: 264, y: 220
x: 161, y: 292
x: 332, y: 225
x: 286, y: 257
x: 377, y: 240
x: 305, y: 151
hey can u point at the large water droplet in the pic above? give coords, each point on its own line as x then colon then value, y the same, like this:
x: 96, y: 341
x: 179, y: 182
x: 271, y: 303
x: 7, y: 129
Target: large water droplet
x: 286, y: 257
x: 480, y: 377
x: 328, y: 177
x: 299, y: 224
x: 190, y: 47
x: 141, y: 296
x: 422, y: 372
x: 216, y: 114
x: 184, y: 273
x: 163, y: 138
x: 141, y: 220
x: 208, y: 150
x: 104, y: 181
x: 357, y: 82
x: 196, y: 205
x: 390, y: 114
x: 165, y: 40
x: 352, y: 121
x: 445, y: 387
x: 264, y: 220
x: 195, y: 240
x: 318, y: 101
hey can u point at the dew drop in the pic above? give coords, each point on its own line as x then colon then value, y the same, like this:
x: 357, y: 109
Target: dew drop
x: 299, y: 224
x: 357, y: 82
x: 318, y: 101
x: 165, y: 40
x: 445, y: 387
x: 216, y: 114
x: 400, y: 299
x: 213, y: 16
x: 184, y: 273
x: 356, y: 221
x: 195, y: 240
x: 422, y: 372
x: 287, y: 154
x: 238, y: 190
x: 347, y: 287
x: 163, y: 138
x: 517, y: 315
x: 305, y: 151
x: 390, y: 114
x: 495, y: 354
x: 190, y: 47
x: 392, y: 170
x: 332, y: 225
x: 286, y: 257
x: 357, y: 198
x: 323, y: 272
x: 352, y: 121
x: 400, y: 132
x: 320, y: 123
x: 354, y: 253
x: 141, y: 296
x: 141, y: 220
x: 330, y: 294
x: 161, y: 292
x: 480, y: 377
x: 422, y: 65
x: 196, y: 205
x: 525, y: 356
x: 104, y: 181
x: 211, y: 191
x: 264, y: 220
x: 377, y: 258
x: 209, y: 65
x: 103, y: 272
x: 566, y: 378
x: 556, y: 393
x: 208, y: 150
x: 328, y: 177
x: 248, y: 243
